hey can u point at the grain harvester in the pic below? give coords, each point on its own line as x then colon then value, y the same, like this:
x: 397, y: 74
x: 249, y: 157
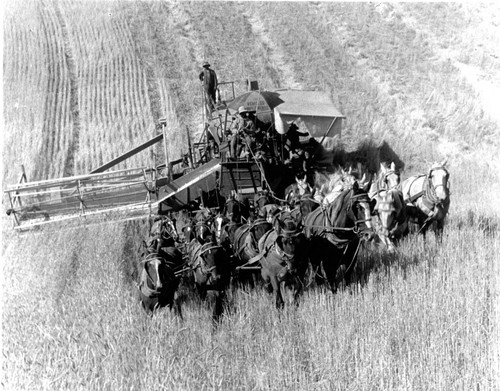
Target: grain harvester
x: 134, y: 193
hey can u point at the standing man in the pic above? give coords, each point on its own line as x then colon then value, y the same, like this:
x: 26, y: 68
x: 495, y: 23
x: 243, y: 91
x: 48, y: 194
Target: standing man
x: 208, y: 80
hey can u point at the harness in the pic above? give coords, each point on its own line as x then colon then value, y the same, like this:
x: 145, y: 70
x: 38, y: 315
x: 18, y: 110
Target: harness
x: 427, y: 194
x: 328, y: 227
x: 199, y: 261
x: 277, y: 255
x: 401, y: 216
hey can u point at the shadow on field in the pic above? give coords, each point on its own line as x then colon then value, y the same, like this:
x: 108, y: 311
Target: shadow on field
x: 369, y: 155
x: 487, y: 225
x: 134, y: 233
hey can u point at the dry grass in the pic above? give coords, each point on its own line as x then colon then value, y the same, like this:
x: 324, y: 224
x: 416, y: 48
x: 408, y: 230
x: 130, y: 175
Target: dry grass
x: 424, y: 319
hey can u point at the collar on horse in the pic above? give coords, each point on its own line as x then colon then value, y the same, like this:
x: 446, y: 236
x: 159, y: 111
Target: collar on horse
x: 428, y: 192
x: 198, y: 257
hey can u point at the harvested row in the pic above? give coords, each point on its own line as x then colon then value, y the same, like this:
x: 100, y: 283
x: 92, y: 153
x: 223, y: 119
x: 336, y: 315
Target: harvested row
x: 25, y: 85
x: 56, y: 125
x: 69, y: 164
x: 113, y: 90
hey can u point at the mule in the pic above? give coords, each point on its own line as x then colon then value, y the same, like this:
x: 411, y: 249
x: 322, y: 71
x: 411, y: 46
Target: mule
x: 210, y: 266
x: 284, y: 257
x: 335, y: 233
x: 427, y: 197
x: 158, y: 285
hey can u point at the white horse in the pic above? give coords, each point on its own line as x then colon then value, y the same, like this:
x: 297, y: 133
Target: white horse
x: 427, y: 197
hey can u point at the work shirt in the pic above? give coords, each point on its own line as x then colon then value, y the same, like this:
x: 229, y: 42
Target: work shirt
x: 209, y: 79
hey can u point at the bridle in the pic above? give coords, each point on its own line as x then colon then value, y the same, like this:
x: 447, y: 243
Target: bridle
x: 172, y: 231
x: 384, y: 180
x: 431, y: 188
x: 202, y: 265
x: 384, y: 205
x: 146, y: 277
x: 359, y: 199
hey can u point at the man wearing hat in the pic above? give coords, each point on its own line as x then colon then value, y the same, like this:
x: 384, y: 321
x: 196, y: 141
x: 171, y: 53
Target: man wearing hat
x: 208, y: 79
x: 238, y: 129
x: 295, y: 153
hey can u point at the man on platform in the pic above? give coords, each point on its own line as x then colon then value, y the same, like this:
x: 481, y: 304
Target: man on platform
x: 208, y: 79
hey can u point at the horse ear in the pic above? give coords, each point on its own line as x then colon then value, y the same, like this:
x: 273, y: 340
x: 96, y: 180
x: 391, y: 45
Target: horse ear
x: 364, y: 182
x: 393, y: 166
x: 383, y: 167
x: 443, y: 163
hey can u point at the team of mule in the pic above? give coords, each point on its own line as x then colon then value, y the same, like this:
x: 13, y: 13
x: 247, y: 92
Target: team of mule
x: 314, y: 234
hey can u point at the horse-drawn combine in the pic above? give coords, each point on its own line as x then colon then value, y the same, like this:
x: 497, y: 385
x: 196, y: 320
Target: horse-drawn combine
x: 262, y: 198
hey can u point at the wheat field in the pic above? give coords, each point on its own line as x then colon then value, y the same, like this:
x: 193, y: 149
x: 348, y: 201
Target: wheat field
x: 86, y: 81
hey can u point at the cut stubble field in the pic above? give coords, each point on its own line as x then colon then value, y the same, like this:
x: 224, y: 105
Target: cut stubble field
x: 422, y: 319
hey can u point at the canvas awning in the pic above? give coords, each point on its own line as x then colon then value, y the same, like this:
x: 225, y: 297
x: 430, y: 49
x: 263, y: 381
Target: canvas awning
x: 312, y: 111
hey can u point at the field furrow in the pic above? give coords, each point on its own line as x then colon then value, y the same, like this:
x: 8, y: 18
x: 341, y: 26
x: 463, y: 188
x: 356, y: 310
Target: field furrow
x: 69, y: 167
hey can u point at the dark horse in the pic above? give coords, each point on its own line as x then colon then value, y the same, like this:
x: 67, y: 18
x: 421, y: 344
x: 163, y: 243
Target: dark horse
x: 335, y: 233
x: 306, y: 205
x: 284, y: 257
x: 245, y: 248
x: 263, y: 201
x: 234, y: 214
x: 210, y: 265
x: 162, y: 240
x: 158, y: 284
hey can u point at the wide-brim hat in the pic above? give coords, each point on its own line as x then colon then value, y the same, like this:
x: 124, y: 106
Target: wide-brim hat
x: 205, y: 64
x: 242, y: 109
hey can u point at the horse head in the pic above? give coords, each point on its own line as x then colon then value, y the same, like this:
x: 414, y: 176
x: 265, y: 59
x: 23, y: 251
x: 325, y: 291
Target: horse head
x: 292, y: 245
x: 152, y: 279
x: 171, y: 228
x: 307, y: 205
x: 164, y: 228
x: 203, y: 232
x: 438, y: 177
x: 390, y: 211
x: 388, y: 177
x: 219, y: 225
x: 259, y: 227
x: 261, y: 199
x: 358, y: 211
x: 236, y: 210
x: 214, y: 265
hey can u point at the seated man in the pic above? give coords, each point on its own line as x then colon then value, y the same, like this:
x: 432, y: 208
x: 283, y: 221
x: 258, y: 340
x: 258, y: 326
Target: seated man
x: 295, y: 153
x: 243, y: 131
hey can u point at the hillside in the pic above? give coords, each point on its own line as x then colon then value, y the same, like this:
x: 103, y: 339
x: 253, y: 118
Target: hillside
x: 85, y: 81
x: 86, y: 89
